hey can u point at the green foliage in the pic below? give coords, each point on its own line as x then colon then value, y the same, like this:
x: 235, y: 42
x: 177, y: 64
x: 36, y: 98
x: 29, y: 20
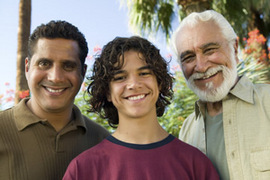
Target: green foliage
x: 81, y: 102
x: 150, y: 16
x: 256, y: 72
x: 244, y: 15
x: 182, y: 105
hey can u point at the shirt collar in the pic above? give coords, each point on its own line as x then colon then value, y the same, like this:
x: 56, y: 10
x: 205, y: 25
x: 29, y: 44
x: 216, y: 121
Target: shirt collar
x: 24, y: 117
x: 243, y: 90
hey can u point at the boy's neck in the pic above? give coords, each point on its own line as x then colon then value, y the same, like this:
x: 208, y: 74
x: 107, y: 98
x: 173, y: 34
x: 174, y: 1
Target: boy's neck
x: 140, y: 131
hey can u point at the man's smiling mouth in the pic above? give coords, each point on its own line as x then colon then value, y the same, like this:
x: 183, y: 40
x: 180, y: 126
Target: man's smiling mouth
x: 208, y: 76
x: 134, y: 98
x: 210, y: 73
x: 54, y: 90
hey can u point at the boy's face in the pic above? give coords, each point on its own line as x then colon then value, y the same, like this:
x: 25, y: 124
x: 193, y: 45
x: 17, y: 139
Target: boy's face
x: 134, y: 89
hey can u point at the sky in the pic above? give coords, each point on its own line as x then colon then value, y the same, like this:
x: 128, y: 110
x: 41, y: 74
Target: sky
x: 99, y: 20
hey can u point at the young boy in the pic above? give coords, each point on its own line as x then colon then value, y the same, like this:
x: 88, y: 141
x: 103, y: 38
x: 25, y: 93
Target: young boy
x: 131, y: 87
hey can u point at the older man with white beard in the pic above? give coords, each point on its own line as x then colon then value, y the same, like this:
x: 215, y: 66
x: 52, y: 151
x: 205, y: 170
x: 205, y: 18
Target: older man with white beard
x: 231, y: 121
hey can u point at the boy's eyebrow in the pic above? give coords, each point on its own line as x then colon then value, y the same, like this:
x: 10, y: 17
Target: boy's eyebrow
x: 145, y: 67
x: 118, y: 72
x: 122, y: 71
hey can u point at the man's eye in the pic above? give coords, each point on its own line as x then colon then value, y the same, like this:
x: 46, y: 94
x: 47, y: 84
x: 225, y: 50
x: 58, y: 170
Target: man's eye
x: 187, y: 59
x: 44, y: 64
x: 69, y: 66
x: 210, y: 50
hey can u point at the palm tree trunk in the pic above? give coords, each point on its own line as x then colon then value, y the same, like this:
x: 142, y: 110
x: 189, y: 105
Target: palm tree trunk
x: 23, y: 35
x: 190, y: 6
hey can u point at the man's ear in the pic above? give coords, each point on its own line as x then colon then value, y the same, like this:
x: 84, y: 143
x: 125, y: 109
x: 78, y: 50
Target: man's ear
x: 84, y: 69
x: 235, y: 47
x: 27, y: 66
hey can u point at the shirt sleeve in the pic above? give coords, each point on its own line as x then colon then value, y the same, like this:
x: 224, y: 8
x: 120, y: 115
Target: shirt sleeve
x: 72, y: 171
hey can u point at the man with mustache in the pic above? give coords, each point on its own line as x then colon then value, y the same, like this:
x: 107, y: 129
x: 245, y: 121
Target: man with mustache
x: 43, y: 133
x: 231, y: 122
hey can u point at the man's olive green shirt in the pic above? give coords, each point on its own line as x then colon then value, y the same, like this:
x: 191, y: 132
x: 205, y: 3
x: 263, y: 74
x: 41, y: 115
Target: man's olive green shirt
x: 246, y: 123
x: 31, y: 149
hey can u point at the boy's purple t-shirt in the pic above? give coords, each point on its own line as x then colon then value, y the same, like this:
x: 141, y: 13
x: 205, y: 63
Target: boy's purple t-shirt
x: 167, y: 159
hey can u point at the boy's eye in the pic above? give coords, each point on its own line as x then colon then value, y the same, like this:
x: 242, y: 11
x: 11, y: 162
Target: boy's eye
x: 118, y: 78
x: 145, y: 73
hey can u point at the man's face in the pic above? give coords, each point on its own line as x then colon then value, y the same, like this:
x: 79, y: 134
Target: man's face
x: 134, y: 89
x: 208, y: 61
x: 54, y: 75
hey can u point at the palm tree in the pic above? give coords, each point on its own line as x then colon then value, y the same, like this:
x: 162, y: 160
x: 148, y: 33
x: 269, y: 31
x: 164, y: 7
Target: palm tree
x: 149, y: 16
x: 189, y: 6
x: 247, y: 15
x: 23, y: 35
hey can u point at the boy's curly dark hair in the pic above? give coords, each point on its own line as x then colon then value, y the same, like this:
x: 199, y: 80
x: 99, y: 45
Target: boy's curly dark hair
x: 104, y: 68
x: 58, y: 29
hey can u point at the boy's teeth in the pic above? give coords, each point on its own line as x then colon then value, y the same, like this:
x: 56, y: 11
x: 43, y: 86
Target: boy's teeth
x: 55, y: 90
x: 136, y: 97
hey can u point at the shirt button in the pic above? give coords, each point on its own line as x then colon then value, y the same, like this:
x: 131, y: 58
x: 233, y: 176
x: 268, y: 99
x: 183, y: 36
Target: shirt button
x: 232, y: 154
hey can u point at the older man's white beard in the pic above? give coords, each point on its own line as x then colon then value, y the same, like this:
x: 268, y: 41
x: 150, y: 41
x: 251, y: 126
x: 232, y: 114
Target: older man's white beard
x: 212, y: 94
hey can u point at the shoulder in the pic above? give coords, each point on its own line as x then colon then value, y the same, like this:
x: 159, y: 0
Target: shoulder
x: 90, y: 124
x: 261, y: 95
x: 6, y: 115
x: 190, y: 150
x: 93, y: 154
x: 187, y: 125
x: 8, y: 128
x: 190, y: 119
x: 258, y: 88
x: 263, y: 89
x: 87, y: 164
x: 192, y: 155
x: 194, y: 158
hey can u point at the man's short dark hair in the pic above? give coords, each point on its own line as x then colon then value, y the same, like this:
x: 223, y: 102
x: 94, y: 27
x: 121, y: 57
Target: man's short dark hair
x: 58, y: 29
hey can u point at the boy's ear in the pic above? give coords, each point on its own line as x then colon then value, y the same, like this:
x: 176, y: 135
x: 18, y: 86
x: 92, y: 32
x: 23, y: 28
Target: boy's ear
x: 109, y: 98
